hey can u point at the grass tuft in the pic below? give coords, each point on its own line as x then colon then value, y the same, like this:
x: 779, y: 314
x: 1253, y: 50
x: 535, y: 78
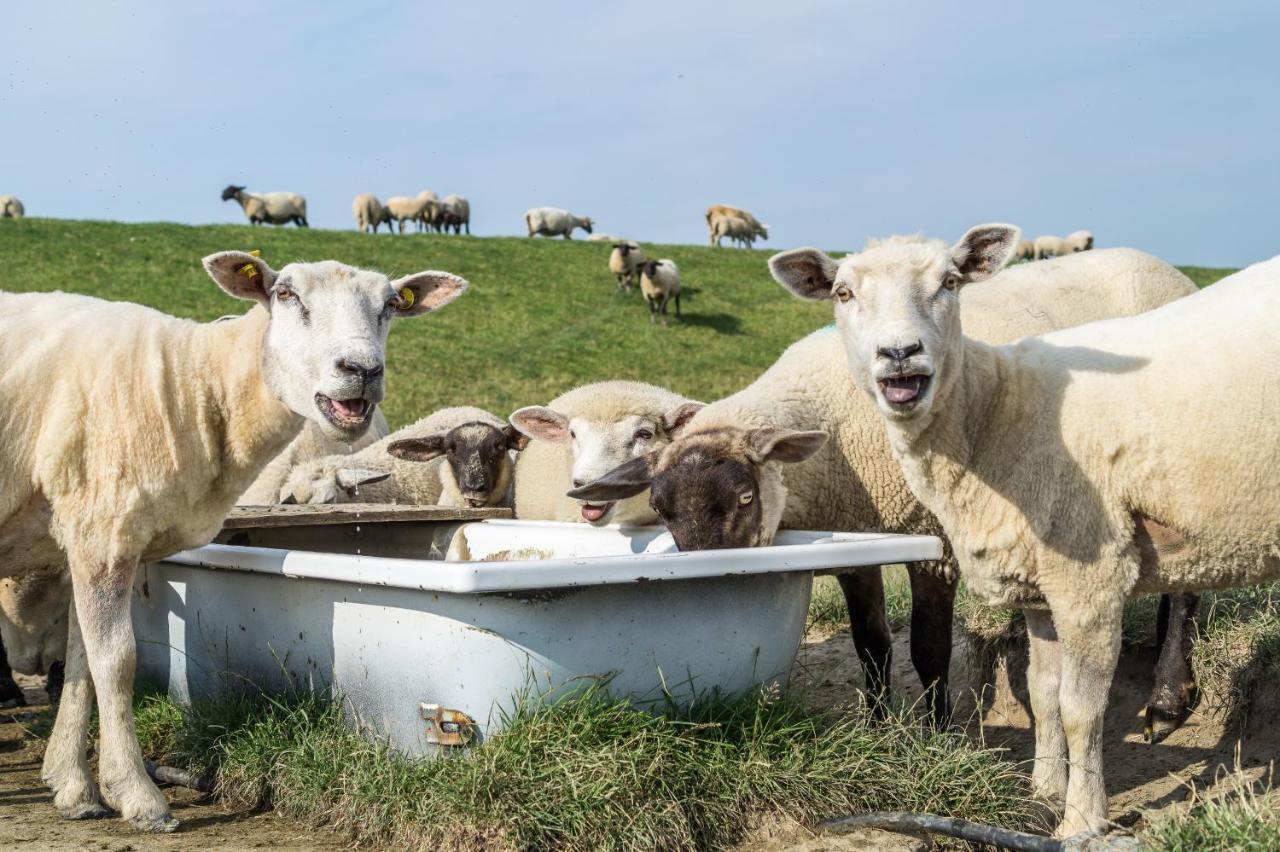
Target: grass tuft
x: 1240, y: 821
x: 586, y: 772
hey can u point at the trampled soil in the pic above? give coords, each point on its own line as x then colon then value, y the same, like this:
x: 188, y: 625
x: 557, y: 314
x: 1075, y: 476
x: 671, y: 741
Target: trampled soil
x: 28, y: 820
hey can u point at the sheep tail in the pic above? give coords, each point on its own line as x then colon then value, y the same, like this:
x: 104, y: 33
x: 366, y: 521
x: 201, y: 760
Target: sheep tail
x: 904, y: 823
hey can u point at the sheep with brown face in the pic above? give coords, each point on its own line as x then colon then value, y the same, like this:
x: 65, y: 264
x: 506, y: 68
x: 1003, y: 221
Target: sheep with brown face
x: 477, y: 461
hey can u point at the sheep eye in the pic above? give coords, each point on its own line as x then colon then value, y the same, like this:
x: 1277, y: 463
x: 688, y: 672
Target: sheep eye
x: 745, y: 498
x: 284, y: 295
x: 843, y: 293
x: 951, y: 281
x: 573, y: 434
x: 644, y: 435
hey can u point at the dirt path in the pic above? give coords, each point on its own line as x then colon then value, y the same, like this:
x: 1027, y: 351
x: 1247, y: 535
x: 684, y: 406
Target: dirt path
x: 28, y: 820
x: 1139, y: 776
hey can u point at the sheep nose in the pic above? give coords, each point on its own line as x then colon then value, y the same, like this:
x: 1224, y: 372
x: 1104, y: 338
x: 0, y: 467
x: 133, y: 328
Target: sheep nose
x: 900, y: 353
x: 366, y: 374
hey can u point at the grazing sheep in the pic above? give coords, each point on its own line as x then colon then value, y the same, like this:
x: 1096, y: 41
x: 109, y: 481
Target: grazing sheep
x: 582, y: 434
x: 624, y: 262
x: 274, y: 208
x: 430, y: 218
x: 606, y: 238
x: 33, y: 630
x: 660, y: 282
x: 310, y: 444
x: 1075, y: 469
x: 455, y: 212
x: 736, y: 229
x: 1077, y: 241
x: 555, y: 222
x: 716, y: 211
x: 476, y: 469
x: 140, y: 451
x: 719, y: 464
x: 369, y: 213
x: 1026, y: 250
x: 11, y: 207
x: 1050, y: 247
x: 418, y: 210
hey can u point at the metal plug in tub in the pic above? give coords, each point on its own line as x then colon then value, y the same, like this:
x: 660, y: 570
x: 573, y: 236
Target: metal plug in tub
x: 431, y: 625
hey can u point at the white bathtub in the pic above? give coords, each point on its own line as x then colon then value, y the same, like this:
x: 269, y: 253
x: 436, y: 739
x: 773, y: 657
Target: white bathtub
x: 462, y: 617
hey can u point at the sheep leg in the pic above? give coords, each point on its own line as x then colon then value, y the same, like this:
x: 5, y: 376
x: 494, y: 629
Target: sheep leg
x: 653, y: 310
x: 102, y: 591
x: 1174, y: 692
x: 864, y: 596
x: 1089, y: 636
x: 678, y: 305
x: 66, y: 769
x: 1044, y: 676
x: 932, y: 611
x: 10, y: 693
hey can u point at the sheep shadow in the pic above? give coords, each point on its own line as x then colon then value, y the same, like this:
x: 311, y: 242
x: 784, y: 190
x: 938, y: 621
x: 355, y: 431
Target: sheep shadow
x: 721, y: 323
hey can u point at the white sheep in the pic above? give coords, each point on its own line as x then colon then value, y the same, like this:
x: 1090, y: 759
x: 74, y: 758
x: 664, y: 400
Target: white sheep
x: 274, y: 208
x: 369, y: 213
x: 1077, y: 241
x: 11, y: 207
x: 716, y: 211
x: 1026, y: 250
x: 659, y: 284
x: 606, y: 238
x: 419, y: 209
x: 430, y: 217
x: 555, y: 222
x: 1074, y: 469
x: 140, y: 451
x: 582, y: 434
x: 625, y: 261
x: 455, y: 212
x: 739, y: 230
x: 1050, y: 247
x: 472, y: 465
x: 853, y: 482
x: 311, y: 444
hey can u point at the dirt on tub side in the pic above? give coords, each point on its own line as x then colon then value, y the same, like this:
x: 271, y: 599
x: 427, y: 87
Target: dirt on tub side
x: 28, y: 820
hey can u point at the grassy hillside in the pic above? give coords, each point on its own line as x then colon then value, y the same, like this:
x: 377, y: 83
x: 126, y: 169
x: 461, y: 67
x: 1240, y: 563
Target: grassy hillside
x: 541, y: 316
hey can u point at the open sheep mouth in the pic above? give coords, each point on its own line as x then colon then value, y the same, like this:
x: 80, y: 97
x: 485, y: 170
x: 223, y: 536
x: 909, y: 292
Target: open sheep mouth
x: 592, y: 512
x: 347, y: 414
x: 903, y: 390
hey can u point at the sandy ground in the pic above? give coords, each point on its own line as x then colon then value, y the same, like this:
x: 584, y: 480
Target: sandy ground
x: 28, y: 820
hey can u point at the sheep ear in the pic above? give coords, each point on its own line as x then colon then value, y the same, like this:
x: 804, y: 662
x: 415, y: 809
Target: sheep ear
x: 806, y: 272
x: 675, y: 419
x: 516, y: 440
x: 783, y: 445
x: 625, y: 480
x: 541, y: 423
x: 984, y: 250
x: 427, y: 291
x: 349, y: 479
x: 242, y: 275
x: 417, y: 449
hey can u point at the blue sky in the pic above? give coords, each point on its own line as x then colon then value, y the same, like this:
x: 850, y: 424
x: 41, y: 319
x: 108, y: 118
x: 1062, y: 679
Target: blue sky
x: 1155, y: 125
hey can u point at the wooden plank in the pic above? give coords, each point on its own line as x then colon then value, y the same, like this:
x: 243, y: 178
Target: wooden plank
x: 259, y: 517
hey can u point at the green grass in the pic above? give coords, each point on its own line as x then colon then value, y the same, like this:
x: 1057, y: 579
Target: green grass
x: 588, y: 772
x: 541, y: 316
x: 1240, y: 821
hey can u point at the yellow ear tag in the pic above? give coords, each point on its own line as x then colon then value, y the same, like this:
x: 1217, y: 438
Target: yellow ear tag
x: 249, y: 269
x: 406, y: 299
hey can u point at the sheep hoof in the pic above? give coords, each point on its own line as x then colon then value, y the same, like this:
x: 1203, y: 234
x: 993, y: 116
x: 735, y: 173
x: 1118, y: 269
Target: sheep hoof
x: 1161, y: 722
x: 155, y: 825
x: 85, y: 810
